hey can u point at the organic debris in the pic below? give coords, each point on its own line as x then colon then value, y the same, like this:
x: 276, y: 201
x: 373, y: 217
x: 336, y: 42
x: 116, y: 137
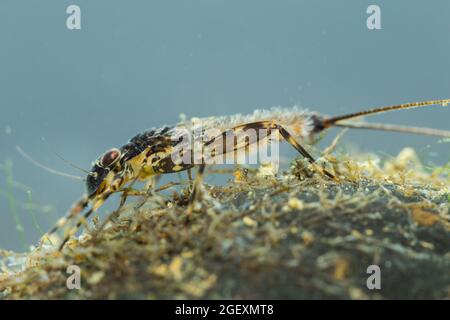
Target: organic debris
x: 293, y: 235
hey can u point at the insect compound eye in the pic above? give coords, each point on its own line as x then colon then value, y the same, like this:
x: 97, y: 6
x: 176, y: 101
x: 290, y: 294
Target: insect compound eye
x: 110, y: 157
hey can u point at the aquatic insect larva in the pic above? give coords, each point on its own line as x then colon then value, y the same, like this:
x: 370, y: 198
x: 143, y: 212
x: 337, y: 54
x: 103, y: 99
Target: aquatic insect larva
x: 154, y: 152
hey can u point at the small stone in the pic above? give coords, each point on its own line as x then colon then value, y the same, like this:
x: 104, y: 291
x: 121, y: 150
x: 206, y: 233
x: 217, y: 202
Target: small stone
x: 249, y: 222
x: 96, y: 277
x: 296, y: 204
x: 357, y: 234
x: 307, y: 237
x: 357, y: 294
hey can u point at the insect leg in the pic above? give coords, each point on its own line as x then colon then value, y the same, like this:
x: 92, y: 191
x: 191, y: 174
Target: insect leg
x: 290, y: 139
x: 167, y: 186
x: 76, y: 209
x: 123, y: 199
x: 269, y: 126
x: 197, y: 188
x: 80, y: 222
x: 75, y: 229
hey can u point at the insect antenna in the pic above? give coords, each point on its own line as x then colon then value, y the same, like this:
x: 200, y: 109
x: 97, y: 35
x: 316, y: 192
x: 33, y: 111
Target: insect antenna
x: 44, y: 167
x: 339, y: 121
x: 73, y: 165
x: 67, y: 161
x: 332, y: 121
x: 396, y: 128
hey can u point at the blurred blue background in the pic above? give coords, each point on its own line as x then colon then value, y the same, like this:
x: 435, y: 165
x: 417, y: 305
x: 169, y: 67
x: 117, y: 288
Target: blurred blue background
x: 139, y: 64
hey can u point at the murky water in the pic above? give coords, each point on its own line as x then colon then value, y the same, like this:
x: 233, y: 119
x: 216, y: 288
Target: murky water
x: 139, y: 64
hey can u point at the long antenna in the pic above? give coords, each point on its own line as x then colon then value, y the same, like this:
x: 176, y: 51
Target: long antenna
x: 40, y: 165
x: 72, y: 165
x: 394, y: 127
x: 332, y: 121
x: 66, y: 161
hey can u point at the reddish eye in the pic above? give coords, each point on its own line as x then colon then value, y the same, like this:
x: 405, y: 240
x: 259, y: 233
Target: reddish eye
x: 110, y: 157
